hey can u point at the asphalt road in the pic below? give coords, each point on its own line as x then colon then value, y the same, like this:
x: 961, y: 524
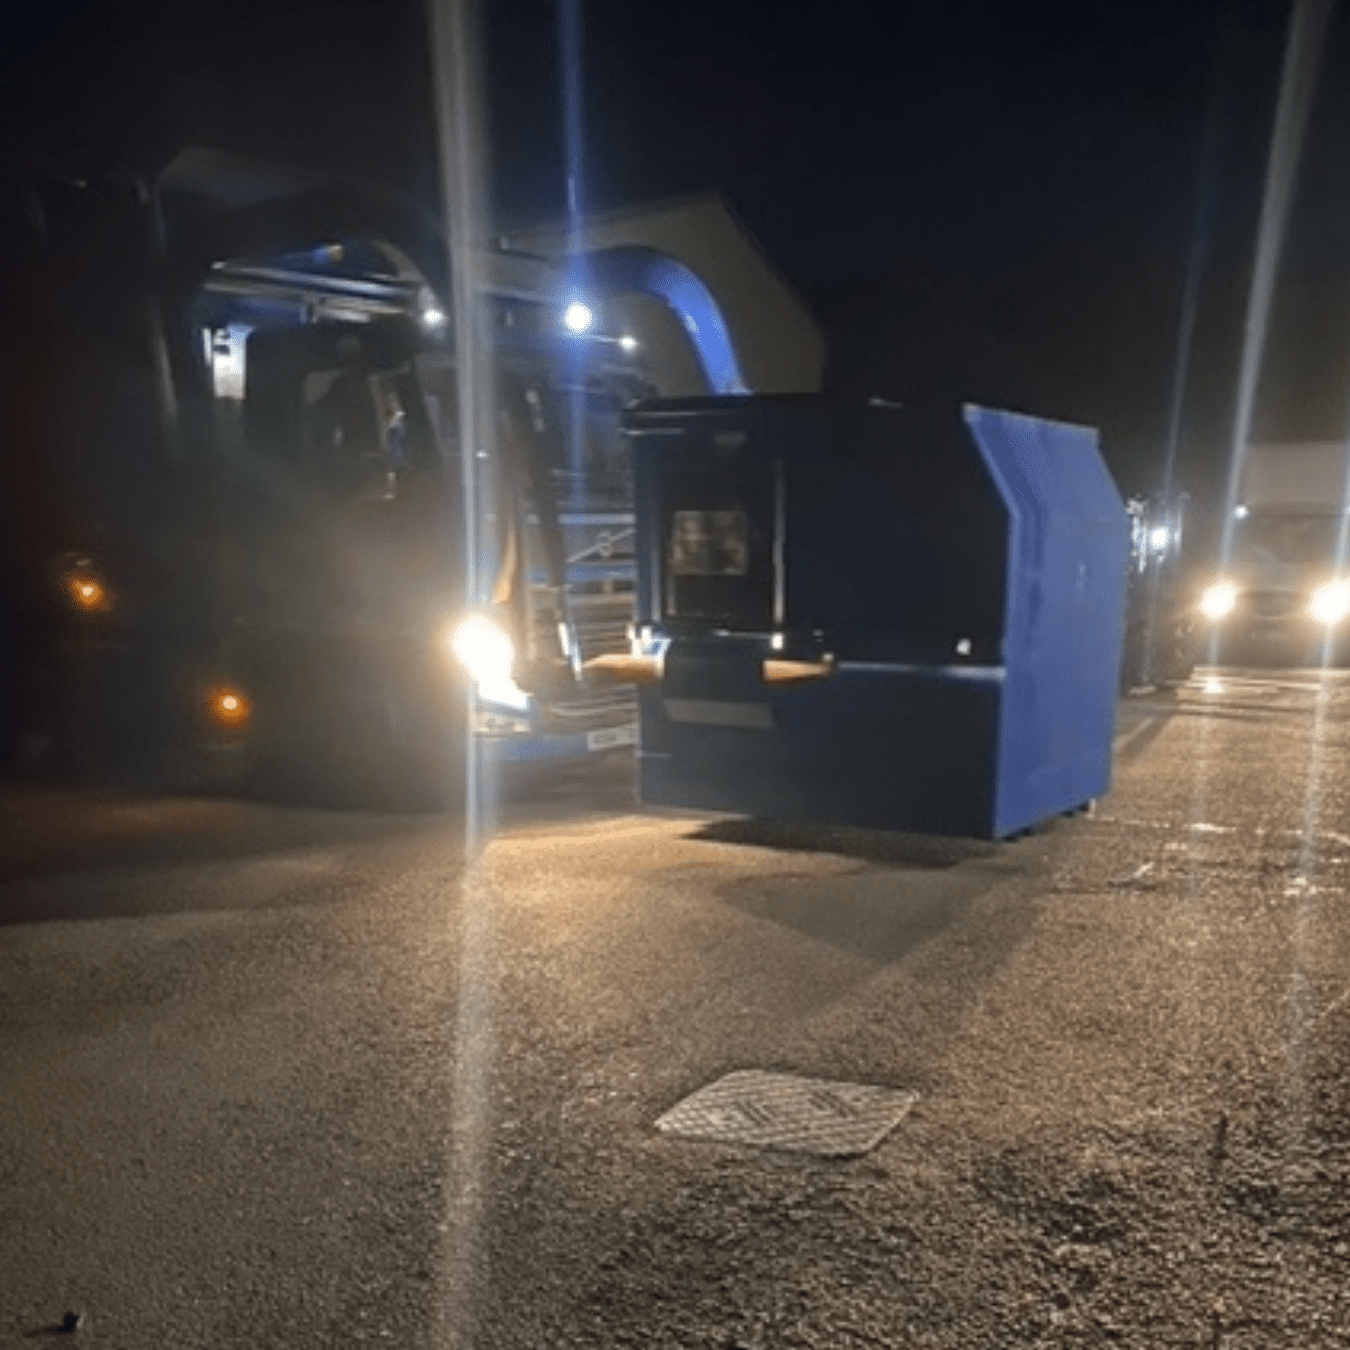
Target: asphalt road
x: 279, y: 1078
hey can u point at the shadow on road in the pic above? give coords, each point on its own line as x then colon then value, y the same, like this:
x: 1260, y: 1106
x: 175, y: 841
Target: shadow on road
x: 57, y: 840
x: 882, y: 923
x: 47, y: 831
x: 920, y: 852
x: 906, y: 890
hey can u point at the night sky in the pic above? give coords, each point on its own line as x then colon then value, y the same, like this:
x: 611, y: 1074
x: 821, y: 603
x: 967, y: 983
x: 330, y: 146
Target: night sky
x: 978, y: 200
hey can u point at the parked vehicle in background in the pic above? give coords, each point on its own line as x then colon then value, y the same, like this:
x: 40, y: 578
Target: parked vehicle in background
x: 251, y: 537
x: 1283, y: 591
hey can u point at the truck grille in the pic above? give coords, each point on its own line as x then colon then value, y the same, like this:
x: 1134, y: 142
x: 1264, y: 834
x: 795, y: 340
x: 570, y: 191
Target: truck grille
x: 599, y: 550
x: 1273, y: 604
x: 602, y: 619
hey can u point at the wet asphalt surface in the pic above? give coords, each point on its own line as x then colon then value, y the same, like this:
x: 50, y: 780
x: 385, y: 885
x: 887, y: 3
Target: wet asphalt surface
x: 273, y: 1077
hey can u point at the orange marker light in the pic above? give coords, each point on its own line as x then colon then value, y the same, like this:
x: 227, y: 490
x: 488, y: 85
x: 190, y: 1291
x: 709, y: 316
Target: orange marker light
x: 229, y: 707
x: 86, y: 592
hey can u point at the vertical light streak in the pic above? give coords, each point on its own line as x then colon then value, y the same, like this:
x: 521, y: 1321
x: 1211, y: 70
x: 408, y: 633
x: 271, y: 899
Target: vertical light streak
x: 1304, y: 891
x: 1307, y: 36
x: 569, y: 38
x: 1201, y: 211
x: 569, y: 44
x: 1309, y: 865
x: 1202, y: 763
x: 1298, y: 79
x: 454, y: 35
x: 460, y: 127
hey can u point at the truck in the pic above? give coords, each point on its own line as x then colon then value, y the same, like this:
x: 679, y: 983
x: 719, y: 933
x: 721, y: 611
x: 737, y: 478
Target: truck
x: 272, y: 560
x: 1162, y: 624
x: 1281, y: 589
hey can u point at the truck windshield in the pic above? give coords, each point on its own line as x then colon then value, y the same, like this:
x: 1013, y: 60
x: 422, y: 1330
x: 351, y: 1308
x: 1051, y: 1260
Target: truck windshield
x: 362, y: 429
x: 579, y: 440
x: 1290, y: 539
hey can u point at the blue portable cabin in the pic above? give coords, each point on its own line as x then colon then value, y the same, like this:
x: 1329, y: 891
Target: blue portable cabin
x: 892, y: 617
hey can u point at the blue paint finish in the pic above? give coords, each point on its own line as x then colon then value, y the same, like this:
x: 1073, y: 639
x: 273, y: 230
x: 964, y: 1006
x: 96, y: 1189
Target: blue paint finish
x: 1068, y: 542
x: 531, y: 749
x: 648, y: 272
x: 910, y: 751
x: 578, y: 573
x: 965, y: 571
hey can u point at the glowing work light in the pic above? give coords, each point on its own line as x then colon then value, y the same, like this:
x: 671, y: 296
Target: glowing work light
x: 577, y: 318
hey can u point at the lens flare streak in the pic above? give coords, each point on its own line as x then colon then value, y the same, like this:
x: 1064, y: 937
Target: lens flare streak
x: 1308, y: 24
x: 455, y: 47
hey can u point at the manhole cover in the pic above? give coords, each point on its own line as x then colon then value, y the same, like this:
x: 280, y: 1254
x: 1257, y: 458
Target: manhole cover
x: 780, y: 1110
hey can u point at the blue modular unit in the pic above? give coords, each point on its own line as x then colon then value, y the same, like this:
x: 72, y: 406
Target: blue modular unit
x: 899, y: 618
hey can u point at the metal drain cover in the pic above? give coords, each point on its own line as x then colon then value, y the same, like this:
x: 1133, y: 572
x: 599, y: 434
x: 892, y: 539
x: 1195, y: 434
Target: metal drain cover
x: 780, y: 1110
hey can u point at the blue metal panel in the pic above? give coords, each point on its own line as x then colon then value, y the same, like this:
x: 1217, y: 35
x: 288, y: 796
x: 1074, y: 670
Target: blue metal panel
x: 1068, y: 541
x: 871, y: 746
x: 647, y: 272
x: 964, y: 575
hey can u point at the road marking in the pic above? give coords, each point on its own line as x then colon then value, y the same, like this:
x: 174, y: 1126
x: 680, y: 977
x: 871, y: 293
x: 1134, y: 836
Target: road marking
x: 1130, y: 878
x: 1312, y: 685
x: 1125, y: 738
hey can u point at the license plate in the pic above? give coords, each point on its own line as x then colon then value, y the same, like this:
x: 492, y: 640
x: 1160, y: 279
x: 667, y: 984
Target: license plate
x: 609, y: 737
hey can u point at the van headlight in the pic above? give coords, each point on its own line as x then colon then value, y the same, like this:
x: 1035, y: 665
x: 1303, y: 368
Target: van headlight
x: 1330, y: 603
x: 484, y: 648
x: 1218, y: 600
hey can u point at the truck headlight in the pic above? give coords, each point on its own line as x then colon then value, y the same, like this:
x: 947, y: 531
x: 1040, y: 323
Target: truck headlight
x: 485, y: 650
x: 1218, y: 600
x: 1330, y: 603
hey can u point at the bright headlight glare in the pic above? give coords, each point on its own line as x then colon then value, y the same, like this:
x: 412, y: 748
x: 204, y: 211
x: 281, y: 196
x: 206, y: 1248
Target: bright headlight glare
x: 1330, y: 603
x: 1218, y: 600
x: 486, y: 651
x: 484, y: 648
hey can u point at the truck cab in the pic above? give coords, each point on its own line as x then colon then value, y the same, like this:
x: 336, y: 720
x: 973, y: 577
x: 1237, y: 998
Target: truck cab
x: 287, y: 566
x: 348, y: 567
x: 1282, y: 591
